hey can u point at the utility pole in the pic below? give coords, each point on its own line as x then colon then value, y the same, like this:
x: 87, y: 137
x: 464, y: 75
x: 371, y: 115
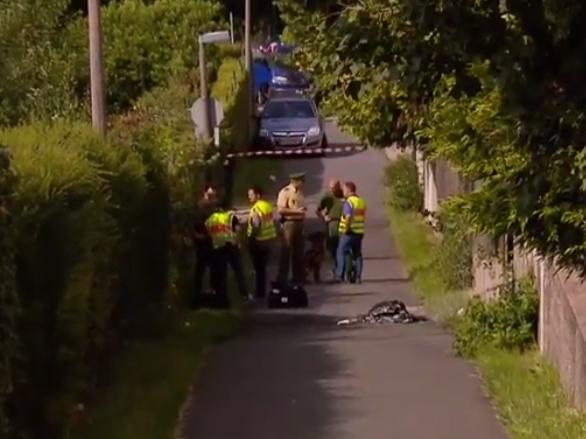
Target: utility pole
x: 231, y: 28
x: 248, y: 63
x: 97, y: 68
x: 203, y: 85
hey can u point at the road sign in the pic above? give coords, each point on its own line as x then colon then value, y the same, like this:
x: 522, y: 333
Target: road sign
x: 215, y: 37
x: 217, y: 137
x: 197, y: 114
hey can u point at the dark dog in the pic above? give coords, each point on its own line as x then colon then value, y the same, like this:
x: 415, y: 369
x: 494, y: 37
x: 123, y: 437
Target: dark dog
x: 315, y: 255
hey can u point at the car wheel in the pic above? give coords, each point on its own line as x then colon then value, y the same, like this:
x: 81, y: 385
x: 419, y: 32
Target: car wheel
x: 324, y: 142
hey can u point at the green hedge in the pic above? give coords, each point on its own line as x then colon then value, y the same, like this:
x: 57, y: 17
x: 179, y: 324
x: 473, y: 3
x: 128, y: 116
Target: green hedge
x: 231, y: 89
x: 403, y: 184
x: 73, y: 197
x: 9, y: 307
x: 99, y: 246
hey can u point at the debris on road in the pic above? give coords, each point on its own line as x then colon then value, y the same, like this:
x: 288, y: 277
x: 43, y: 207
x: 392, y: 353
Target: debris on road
x: 386, y: 312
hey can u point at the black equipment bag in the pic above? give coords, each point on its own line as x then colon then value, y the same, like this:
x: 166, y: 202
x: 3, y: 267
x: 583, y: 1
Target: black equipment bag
x: 209, y: 299
x: 287, y: 296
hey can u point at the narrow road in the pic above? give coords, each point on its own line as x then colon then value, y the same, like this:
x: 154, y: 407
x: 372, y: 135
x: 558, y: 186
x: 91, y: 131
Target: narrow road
x: 296, y: 375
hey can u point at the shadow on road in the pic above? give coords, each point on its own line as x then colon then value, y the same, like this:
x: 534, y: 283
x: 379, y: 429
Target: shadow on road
x: 278, y: 380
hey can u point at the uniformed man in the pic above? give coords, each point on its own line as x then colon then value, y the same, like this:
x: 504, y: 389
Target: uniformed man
x: 229, y: 253
x: 203, y: 244
x: 291, y: 207
x: 261, y: 233
x: 220, y: 231
x: 351, y: 231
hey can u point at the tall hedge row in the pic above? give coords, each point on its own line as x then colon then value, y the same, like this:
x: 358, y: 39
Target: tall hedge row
x: 90, y: 232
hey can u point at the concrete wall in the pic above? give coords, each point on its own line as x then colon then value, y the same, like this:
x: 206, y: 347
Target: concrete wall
x: 563, y: 329
x: 562, y: 314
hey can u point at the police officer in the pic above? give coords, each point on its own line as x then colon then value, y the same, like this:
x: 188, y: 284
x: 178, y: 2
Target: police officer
x: 224, y: 229
x: 218, y: 227
x: 351, y: 231
x: 291, y: 207
x: 203, y: 243
x: 261, y: 232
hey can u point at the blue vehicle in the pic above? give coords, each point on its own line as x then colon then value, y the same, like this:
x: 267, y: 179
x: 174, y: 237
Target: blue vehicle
x: 261, y: 75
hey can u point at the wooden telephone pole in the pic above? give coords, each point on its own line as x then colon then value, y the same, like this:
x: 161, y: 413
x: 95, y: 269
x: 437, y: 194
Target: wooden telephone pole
x: 248, y: 65
x: 98, y: 93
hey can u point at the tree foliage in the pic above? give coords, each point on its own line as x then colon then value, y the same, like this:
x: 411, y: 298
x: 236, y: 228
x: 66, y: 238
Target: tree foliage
x: 44, y: 62
x: 494, y: 87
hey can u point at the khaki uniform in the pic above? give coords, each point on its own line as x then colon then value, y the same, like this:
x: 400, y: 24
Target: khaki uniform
x: 292, y: 241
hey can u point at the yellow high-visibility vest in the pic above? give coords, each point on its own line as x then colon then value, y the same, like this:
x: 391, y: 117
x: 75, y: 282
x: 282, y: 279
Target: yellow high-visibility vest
x: 357, y: 219
x: 267, y: 229
x: 219, y: 226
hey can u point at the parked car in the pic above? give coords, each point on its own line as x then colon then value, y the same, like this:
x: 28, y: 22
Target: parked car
x: 291, y: 120
x: 285, y: 78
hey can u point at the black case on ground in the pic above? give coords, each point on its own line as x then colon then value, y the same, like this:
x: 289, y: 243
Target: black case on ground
x: 210, y: 299
x: 287, y: 296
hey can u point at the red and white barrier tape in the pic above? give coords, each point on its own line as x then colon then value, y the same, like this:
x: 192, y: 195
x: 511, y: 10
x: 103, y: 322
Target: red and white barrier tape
x: 290, y: 152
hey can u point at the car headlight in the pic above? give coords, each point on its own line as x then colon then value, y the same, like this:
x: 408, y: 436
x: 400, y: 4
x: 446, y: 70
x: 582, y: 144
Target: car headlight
x: 263, y: 132
x: 313, y: 131
x: 279, y: 79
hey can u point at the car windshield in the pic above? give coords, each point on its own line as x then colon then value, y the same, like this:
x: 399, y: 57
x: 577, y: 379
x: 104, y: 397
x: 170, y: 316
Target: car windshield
x: 288, y: 110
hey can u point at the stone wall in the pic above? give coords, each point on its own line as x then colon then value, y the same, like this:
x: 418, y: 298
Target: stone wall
x: 563, y: 329
x: 562, y: 314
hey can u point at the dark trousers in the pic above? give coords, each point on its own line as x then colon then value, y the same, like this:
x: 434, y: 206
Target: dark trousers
x: 260, y: 252
x: 203, y: 255
x: 332, y: 246
x: 218, y: 271
x: 234, y: 259
x: 292, y: 245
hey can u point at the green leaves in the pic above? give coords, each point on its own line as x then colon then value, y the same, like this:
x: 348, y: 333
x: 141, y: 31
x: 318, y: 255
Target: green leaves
x: 497, y: 92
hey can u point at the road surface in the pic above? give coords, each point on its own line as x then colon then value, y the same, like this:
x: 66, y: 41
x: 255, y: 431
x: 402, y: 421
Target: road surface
x: 297, y: 375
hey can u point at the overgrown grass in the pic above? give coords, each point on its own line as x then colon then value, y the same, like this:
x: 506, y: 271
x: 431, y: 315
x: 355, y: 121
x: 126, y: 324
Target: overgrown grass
x: 529, y: 396
x: 417, y: 245
x: 151, y: 378
x: 527, y: 392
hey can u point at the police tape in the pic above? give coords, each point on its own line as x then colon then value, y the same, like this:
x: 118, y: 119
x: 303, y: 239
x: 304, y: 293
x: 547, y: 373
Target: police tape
x: 300, y: 151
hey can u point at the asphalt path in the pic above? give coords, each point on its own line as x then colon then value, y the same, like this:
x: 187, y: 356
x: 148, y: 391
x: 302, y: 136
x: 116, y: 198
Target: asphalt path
x: 297, y: 375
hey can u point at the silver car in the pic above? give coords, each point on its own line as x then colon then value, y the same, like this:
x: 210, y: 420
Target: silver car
x: 291, y: 120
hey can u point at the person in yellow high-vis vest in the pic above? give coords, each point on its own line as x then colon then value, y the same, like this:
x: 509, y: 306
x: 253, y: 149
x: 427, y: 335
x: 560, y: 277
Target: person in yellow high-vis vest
x: 222, y: 228
x: 261, y: 233
x: 352, y: 223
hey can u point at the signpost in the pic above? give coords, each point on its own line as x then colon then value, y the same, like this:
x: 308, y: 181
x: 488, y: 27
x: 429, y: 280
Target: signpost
x: 198, y: 114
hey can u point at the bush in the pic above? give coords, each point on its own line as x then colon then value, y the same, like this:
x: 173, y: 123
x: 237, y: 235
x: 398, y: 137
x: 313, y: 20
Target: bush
x: 71, y: 201
x: 509, y: 322
x: 149, y: 42
x: 97, y: 227
x: 162, y: 132
x: 231, y: 88
x: 403, y: 184
x: 453, y: 258
x: 9, y: 306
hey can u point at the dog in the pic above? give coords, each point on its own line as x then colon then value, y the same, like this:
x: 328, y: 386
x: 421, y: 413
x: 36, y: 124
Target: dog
x: 315, y: 255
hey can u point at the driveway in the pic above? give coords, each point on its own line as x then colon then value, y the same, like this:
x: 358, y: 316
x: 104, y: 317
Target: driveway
x: 296, y: 375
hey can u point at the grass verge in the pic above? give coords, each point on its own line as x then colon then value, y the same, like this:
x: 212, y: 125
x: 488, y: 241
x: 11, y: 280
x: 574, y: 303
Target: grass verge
x: 526, y: 391
x: 417, y: 244
x: 151, y: 378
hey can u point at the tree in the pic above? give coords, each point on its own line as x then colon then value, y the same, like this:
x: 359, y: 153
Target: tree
x: 494, y: 87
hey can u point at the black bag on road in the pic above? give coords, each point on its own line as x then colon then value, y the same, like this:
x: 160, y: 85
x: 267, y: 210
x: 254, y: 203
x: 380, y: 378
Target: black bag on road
x: 211, y: 300
x: 287, y: 296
